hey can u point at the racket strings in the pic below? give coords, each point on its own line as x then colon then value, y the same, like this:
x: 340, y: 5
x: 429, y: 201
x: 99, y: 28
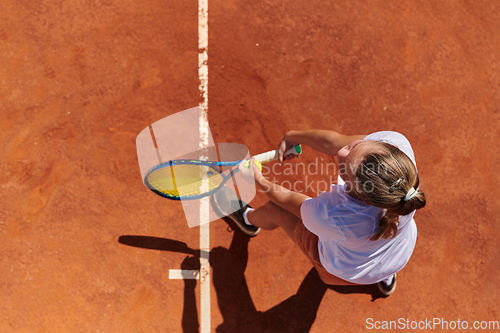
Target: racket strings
x: 185, y: 180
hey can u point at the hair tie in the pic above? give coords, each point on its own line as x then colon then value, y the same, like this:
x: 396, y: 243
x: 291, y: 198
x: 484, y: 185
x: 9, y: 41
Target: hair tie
x: 411, y: 193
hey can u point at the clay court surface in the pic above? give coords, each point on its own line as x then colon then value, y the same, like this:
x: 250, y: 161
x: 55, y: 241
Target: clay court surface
x: 88, y: 248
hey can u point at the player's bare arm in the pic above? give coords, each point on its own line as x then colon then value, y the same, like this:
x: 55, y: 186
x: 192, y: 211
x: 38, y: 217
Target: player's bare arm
x: 324, y: 141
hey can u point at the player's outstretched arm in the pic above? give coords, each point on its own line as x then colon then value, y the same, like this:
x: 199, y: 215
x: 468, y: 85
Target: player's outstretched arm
x: 324, y: 141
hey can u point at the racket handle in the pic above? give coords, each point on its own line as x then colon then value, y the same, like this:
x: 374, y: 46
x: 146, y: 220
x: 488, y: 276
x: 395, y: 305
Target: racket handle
x: 273, y: 154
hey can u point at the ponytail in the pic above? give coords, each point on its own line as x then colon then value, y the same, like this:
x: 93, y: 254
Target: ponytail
x: 387, y: 226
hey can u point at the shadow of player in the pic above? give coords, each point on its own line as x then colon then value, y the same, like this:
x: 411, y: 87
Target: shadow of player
x: 295, y: 314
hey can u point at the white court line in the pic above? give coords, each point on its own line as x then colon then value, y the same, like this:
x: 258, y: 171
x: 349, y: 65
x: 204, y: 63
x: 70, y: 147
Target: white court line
x: 204, y: 203
x: 183, y: 274
x: 204, y: 273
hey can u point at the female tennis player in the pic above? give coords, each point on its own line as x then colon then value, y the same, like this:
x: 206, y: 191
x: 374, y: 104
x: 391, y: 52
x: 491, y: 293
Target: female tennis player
x: 361, y: 231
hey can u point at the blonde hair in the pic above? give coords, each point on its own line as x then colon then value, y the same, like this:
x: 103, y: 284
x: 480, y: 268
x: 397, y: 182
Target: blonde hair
x: 383, y: 180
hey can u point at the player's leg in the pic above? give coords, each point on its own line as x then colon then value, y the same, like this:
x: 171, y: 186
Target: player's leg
x: 268, y: 217
x: 271, y: 216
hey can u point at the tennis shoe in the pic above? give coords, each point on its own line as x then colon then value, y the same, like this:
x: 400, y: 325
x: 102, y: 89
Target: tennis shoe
x: 387, y: 289
x: 226, y: 203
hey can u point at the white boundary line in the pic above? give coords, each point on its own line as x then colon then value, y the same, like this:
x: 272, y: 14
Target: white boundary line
x: 205, y: 325
x: 183, y: 274
x: 204, y: 273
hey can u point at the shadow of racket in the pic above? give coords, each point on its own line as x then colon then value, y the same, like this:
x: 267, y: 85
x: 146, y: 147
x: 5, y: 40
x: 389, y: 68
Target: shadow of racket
x: 161, y: 244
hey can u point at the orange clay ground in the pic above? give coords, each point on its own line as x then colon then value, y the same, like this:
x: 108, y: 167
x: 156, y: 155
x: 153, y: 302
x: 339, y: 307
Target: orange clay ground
x: 87, y: 248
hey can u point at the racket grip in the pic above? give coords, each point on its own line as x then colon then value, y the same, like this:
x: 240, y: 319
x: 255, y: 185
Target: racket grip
x: 273, y: 154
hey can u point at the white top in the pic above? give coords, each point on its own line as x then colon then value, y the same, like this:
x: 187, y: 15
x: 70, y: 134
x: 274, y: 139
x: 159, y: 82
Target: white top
x: 345, y: 225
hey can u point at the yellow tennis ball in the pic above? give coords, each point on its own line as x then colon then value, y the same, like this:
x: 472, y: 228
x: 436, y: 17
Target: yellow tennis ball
x: 259, y: 165
x: 247, y: 165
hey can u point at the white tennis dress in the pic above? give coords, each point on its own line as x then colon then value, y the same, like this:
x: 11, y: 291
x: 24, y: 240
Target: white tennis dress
x: 345, y: 225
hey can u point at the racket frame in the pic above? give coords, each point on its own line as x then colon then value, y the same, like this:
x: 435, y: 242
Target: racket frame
x: 262, y: 158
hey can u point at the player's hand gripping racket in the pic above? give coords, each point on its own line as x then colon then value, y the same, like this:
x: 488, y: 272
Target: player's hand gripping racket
x: 184, y: 179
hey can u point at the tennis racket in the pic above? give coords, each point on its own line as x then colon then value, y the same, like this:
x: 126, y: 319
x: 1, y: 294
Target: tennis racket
x: 187, y: 179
